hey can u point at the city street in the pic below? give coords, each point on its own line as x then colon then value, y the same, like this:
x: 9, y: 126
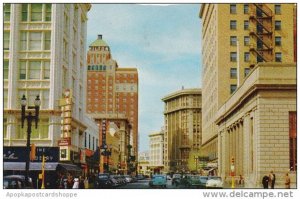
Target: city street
x: 144, y: 184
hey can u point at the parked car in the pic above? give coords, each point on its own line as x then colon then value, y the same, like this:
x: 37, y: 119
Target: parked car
x: 128, y: 178
x: 140, y: 177
x: 203, y: 180
x: 16, y: 182
x: 176, y: 179
x: 214, y: 182
x: 193, y: 181
x: 103, y: 181
x: 158, y: 181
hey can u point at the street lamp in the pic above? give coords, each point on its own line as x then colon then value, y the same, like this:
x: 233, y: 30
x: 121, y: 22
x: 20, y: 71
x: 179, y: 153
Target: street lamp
x: 29, y: 117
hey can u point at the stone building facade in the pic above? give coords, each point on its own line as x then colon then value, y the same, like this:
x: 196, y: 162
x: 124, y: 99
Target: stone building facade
x: 256, y: 124
x: 235, y: 37
x: 182, y: 128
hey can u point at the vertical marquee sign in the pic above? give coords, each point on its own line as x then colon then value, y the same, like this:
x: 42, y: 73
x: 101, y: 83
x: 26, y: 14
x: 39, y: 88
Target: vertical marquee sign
x: 104, y: 123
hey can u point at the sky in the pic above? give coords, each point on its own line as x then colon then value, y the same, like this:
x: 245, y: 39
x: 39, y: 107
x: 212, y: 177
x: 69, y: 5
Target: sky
x: 162, y: 42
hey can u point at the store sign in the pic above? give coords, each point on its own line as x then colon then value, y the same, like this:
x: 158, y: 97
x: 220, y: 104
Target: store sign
x: 19, y: 154
x: 64, y: 142
x: 103, y: 146
x: 64, y: 153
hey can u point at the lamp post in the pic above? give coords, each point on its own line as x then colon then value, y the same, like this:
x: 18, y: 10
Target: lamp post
x: 29, y: 118
x: 108, y: 153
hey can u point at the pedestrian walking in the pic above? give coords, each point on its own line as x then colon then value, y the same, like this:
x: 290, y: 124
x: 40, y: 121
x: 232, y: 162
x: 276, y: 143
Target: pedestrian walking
x: 287, y: 181
x: 70, y: 182
x: 265, y: 181
x: 81, y: 183
x: 76, y: 183
x: 272, y: 179
x: 86, y: 183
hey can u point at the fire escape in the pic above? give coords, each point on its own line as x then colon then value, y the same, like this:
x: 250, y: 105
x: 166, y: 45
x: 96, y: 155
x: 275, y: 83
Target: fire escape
x: 261, y: 19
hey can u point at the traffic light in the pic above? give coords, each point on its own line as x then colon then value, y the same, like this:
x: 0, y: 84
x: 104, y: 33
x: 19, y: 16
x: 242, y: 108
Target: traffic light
x: 32, y: 152
x: 232, y: 160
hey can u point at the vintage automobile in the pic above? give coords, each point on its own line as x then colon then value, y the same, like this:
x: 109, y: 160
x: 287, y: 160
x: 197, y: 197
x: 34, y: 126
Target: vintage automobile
x: 176, y: 179
x: 16, y: 182
x: 158, y: 181
x: 214, y: 182
x: 193, y: 181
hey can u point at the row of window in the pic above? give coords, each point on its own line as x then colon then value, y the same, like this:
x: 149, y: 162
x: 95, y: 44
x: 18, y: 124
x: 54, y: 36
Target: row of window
x: 30, y: 70
x: 233, y: 57
x: 233, y: 25
x: 90, y: 142
x: 233, y: 9
x: 97, y: 68
x: 233, y: 72
x: 36, y: 12
x: 41, y: 132
x: 233, y: 41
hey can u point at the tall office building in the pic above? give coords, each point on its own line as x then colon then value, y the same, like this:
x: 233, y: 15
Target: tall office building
x: 156, y: 151
x: 248, y: 60
x: 112, y: 92
x: 182, y: 137
x: 235, y: 38
x: 44, y: 55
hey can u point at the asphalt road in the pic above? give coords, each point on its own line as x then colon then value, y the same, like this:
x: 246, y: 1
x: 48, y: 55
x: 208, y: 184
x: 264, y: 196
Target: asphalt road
x: 144, y: 184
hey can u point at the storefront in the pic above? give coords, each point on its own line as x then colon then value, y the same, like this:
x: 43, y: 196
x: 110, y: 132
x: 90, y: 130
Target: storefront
x: 14, y: 161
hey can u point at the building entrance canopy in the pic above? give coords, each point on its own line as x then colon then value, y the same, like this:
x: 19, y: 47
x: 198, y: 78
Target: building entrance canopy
x: 37, y: 166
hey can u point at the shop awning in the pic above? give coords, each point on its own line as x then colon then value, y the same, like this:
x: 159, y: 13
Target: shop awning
x: 69, y: 167
x: 33, y: 166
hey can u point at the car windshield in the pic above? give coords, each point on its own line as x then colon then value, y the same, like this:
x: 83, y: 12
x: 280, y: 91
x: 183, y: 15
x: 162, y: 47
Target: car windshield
x: 215, y: 178
x: 159, y: 177
x: 203, y: 179
x: 103, y: 176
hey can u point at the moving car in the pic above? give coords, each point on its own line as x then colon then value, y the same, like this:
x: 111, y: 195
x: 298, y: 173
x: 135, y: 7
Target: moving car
x: 214, y: 182
x: 193, y: 181
x: 16, y: 182
x: 128, y: 178
x: 103, y: 181
x: 158, y: 181
x: 176, y: 179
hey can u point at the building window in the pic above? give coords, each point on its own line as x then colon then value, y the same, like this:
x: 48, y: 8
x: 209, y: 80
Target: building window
x: 233, y: 40
x: 89, y: 141
x: 6, y: 40
x: 34, y: 70
x: 36, y: 12
x: 47, y: 40
x: 35, y: 41
x: 24, y: 12
x: 233, y: 73
x: 246, y: 40
x: 277, y: 9
x: 246, y: 25
x: 233, y: 56
x: 22, y: 70
x: 5, y: 69
x: 277, y: 25
x: 246, y: 56
x: 246, y: 8
x: 6, y: 10
x: 232, y: 24
x: 85, y: 140
x: 48, y: 12
x: 93, y: 143
x: 278, y: 57
x: 232, y: 88
x: 232, y: 8
x: 277, y: 41
x: 46, y: 70
x: 293, y: 140
x: 246, y: 71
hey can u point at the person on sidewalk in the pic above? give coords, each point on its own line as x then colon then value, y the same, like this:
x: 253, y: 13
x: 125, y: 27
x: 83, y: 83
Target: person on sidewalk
x: 272, y: 179
x: 265, y: 181
x: 287, y: 181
